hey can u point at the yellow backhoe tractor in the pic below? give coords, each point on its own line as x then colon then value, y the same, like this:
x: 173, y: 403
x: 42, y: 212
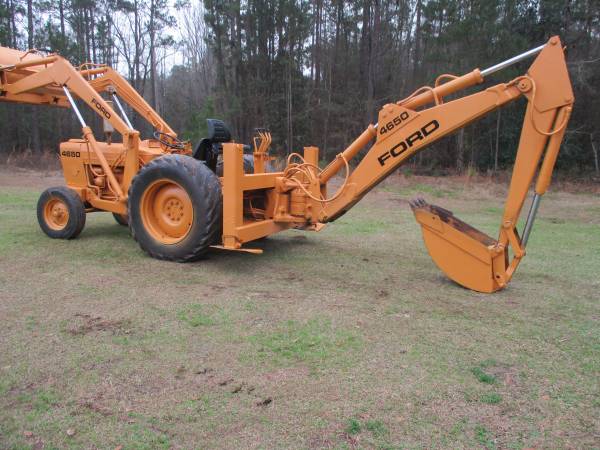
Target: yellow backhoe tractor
x: 179, y: 201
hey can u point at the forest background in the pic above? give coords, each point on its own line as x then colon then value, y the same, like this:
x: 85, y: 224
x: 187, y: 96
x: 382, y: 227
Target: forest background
x: 313, y: 72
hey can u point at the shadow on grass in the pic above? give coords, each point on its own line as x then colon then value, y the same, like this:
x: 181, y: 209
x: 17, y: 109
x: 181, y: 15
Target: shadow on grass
x: 102, y: 240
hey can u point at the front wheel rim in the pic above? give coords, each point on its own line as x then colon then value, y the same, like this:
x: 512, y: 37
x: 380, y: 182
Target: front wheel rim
x: 167, y: 211
x: 56, y: 214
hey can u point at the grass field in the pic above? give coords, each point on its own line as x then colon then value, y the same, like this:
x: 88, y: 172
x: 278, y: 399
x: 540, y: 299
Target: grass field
x: 348, y: 338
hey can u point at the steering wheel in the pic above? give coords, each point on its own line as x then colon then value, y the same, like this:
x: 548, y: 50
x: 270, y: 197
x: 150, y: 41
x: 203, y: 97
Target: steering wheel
x: 169, y: 141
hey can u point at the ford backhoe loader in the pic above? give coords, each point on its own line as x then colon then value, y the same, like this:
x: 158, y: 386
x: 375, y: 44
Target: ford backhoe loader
x: 179, y: 201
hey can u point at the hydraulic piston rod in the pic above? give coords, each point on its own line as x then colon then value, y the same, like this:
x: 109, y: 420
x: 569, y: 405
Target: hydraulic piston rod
x: 89, y: 137
x: 531, y: 218
x: 545, y: 173
x: 511, y: 61
x: 74, y: 106
x: 123, y: 114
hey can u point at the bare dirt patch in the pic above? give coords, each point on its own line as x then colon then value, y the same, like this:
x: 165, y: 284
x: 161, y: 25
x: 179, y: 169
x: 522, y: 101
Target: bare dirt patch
x: 96, y: 404
x: 29, y: 178
x: 82, y: 324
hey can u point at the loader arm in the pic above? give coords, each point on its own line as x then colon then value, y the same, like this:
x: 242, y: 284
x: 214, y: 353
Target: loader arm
x: 37, y: 80
x: 46, y: 78
x: 465, y: 254
x: 52, y: 72
x: 27, y: 77
x: 110, y: 81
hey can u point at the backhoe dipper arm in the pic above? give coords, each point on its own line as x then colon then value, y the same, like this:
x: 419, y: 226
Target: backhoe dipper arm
x: 402, y: 131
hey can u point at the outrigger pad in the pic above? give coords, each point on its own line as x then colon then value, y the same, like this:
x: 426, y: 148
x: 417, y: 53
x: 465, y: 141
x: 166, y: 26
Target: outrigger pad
x: 465, y: 254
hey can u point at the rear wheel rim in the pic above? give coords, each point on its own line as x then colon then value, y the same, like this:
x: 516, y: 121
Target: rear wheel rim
x: 167, y: 211
x: 56, y: 214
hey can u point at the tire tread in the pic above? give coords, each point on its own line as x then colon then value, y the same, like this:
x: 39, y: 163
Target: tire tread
x: 76, y: 209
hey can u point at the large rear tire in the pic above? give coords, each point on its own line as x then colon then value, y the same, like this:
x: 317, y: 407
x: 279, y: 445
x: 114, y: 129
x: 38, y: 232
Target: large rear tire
x: 248, y: 165
x: 61, y: 213
x: 175, y: 208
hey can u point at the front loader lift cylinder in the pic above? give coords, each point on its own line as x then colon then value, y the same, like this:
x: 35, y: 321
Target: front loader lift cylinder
x: 125, y: 118
x: 74, y: 106
x: 89, y: 137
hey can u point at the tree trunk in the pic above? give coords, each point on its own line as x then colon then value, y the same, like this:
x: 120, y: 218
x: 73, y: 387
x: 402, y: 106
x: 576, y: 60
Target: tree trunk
x: 30, y: 24
x: 13, y: 25
x: 153, y: 85
x: 8, y: 40
x: 61, y: 12
x: 595, y: 151
x: 373, y: 60
x: 88, y: 42
x: 497, y: 149
x: 327, y: 112
x: 318, y: 44
x: 417, y: 55
x: 290, y: 129
x: 460, y: 150
x: 93, y: 34
x: 365, y: 59
x: 108, y: 39
x: 34, y: 124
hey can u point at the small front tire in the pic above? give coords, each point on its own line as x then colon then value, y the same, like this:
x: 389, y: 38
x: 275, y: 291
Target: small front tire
x: 61, y: 213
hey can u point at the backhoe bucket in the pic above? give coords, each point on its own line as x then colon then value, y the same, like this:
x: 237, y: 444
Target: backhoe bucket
x: 465, y: 254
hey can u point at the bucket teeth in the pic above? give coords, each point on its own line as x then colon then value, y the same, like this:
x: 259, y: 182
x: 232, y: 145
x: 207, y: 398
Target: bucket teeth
x: 420, y: 203
x: 417, y: 203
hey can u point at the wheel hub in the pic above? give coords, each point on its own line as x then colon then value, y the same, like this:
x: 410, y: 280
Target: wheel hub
x: 174, y: 209
x: 56, y: 214
x: 167, y: 211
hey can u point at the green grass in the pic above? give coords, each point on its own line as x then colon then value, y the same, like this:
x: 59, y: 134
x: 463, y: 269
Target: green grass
x: 491, y: 398
x: 376, y: 427
x: 353, y: 426
x: 482, y: 436
x: 197, y: 315
x: 421, y: 189
x: 372, y: 432
x: 482, y: 376
x: 347, y: 338
x: 314, y: 342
